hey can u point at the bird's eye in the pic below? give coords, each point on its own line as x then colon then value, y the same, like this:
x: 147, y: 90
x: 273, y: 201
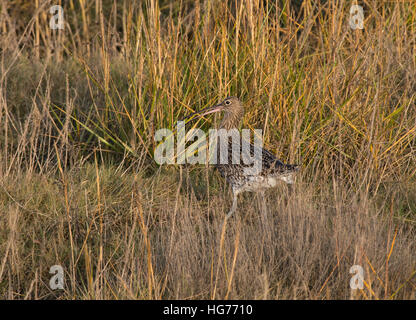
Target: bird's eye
x: 227, y: 102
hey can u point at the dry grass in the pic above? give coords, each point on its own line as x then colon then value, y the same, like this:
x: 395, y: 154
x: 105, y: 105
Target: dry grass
x: 79, y: 187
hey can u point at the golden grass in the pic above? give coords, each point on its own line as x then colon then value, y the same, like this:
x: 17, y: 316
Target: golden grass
x: 79, y: 187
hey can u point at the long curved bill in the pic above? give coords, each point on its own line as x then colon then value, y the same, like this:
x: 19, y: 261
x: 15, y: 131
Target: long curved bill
x: 205, y: 111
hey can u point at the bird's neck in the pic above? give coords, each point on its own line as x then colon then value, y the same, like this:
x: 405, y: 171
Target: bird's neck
x: 230, y: 121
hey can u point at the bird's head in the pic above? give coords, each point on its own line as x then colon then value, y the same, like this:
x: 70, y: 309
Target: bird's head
x: 233, y: 112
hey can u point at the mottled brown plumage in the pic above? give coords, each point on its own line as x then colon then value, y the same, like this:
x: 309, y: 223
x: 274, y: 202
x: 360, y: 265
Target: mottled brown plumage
x: 272, y: 169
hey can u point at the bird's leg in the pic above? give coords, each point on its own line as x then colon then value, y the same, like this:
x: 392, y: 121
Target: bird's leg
x: 234, y: 206
x: 264, y: 218
x: 263, y: 206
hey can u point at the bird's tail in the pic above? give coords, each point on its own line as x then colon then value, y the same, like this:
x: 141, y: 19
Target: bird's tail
x: 289, y: 176
x: 292, y: 167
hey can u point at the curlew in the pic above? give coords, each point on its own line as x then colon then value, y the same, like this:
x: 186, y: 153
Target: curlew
x: 272, y: 169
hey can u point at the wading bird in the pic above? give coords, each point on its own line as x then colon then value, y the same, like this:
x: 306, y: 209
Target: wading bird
x: 272, y: 169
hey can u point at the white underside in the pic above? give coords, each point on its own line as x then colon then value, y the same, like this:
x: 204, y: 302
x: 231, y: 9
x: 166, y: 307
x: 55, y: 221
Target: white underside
x: 257, y: 183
